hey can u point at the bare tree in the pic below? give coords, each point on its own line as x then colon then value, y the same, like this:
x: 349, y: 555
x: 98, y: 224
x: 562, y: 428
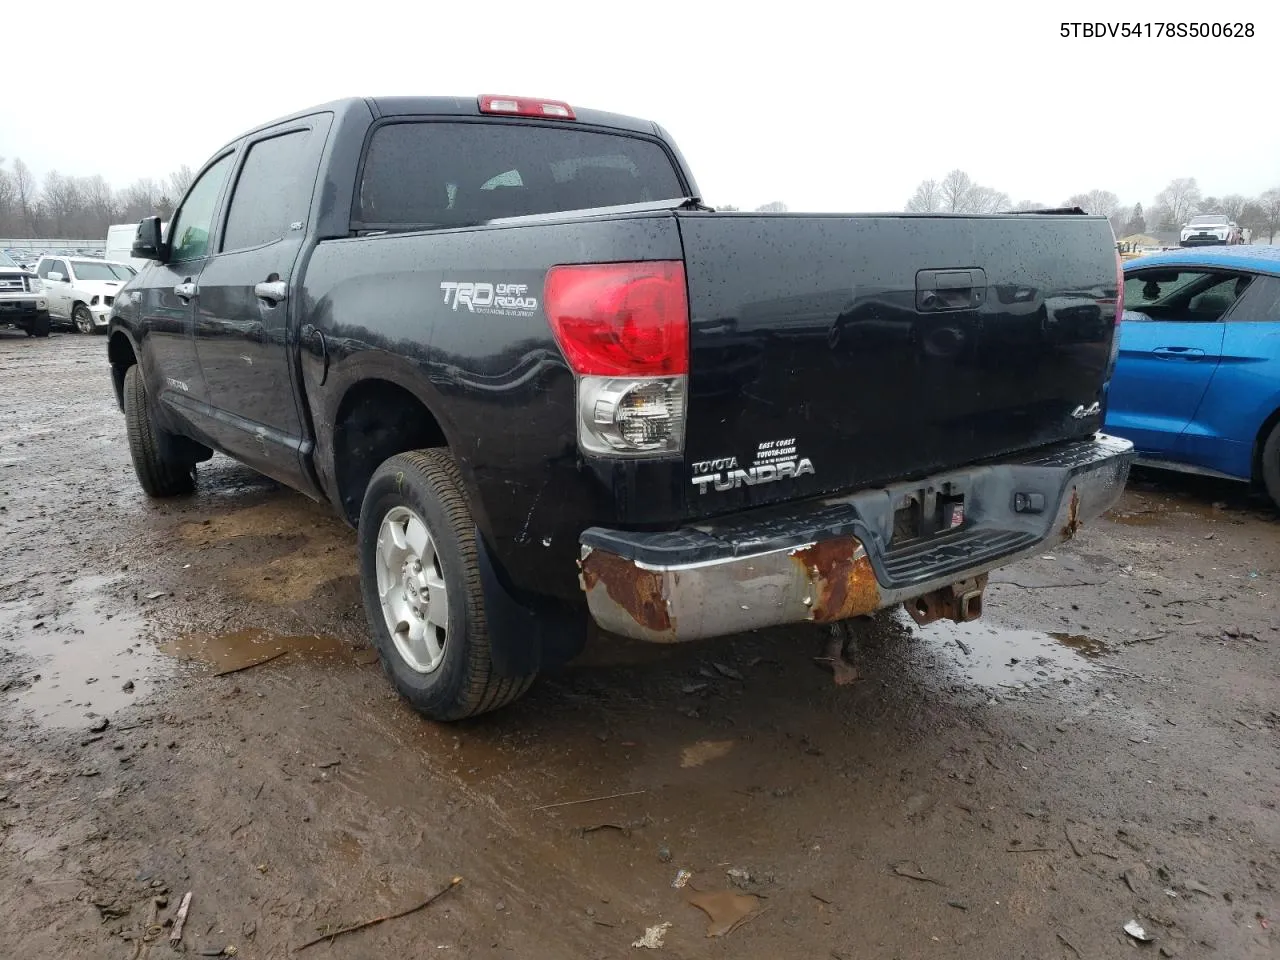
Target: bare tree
x: 774, y: 206
x: 1233, y: 205
x: 954, y: 188
x: 61, y: 200
x: 926, y: 199
x: 8, y: 201
x: 179, y: 181
x: 726, y: 207
x: 985, y: 200
x: 959, y: 194
x: 1102, y: 203
x: 1178, y: 202
x: 1269, y: 204
x: 1023, y: 205
x: 139, y: 199
x: 28, y: 197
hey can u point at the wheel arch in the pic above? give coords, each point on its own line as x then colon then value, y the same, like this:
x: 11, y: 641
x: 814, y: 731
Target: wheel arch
x: 1260, y: 441
x: 121, y: 355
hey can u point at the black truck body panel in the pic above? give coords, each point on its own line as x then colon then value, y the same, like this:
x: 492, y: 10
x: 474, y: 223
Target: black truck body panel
x: 812, y: 329
x: 878, y: 348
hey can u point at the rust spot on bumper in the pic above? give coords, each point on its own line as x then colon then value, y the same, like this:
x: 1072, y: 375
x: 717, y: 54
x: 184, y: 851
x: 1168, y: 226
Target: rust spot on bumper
x: 844, y: 584
x: 1073, y: 516
x: 634, y: 589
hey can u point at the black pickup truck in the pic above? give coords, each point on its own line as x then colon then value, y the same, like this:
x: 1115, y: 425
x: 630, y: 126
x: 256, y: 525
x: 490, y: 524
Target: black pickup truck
x: 509, y: 344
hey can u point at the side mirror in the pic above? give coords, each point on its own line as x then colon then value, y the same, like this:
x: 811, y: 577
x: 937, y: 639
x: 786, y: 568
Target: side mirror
x: 146, y: 243
x: 56, y: 277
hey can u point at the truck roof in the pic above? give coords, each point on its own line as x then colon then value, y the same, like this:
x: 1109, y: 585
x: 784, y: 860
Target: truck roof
x: 449, y: 107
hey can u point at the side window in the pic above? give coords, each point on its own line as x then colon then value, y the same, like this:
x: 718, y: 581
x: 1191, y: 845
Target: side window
x: 1191, y: 296
x: 273, y: 192
x: 42, y: 271
x: 1260, y: 303
x: 60, y: 266
x: 189, y: 231
x: 1218, y: 299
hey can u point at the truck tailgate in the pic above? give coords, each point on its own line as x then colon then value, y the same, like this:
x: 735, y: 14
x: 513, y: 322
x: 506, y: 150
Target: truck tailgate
x: 830, y: 353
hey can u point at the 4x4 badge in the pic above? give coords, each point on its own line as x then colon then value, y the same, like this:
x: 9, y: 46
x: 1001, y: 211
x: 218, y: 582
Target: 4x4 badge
x: 1082, y: 411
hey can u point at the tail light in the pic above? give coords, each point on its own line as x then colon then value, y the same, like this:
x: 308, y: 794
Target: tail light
x: 624, y: 330
x: 526, y: 107
x: 1115, y: 332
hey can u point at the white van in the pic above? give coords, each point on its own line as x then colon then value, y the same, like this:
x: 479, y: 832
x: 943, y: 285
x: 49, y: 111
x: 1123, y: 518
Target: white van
x: 120, y: 244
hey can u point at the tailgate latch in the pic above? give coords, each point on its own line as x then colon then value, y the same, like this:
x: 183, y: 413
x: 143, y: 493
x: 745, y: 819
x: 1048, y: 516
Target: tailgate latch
x: 959, y: 288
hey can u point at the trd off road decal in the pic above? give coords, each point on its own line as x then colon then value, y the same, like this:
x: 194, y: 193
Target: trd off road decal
x: 774, y: 460
x: 496, y: 299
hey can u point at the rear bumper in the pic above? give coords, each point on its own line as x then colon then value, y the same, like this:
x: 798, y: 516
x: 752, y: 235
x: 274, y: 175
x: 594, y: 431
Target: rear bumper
x: 832, y: 559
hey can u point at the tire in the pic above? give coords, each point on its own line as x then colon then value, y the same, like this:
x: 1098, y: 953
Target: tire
x: 82, y: 319
x: 159, y: 476
x: 40, y: 327
x: 1271, y: 465
x: 460, y: 681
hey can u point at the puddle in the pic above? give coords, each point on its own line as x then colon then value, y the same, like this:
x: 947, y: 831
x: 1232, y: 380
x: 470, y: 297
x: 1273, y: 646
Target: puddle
x: 65, y: 664
x: 1008, y: 658
x: 241, y: 649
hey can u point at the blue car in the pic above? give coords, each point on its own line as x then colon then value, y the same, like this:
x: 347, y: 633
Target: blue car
x: 1197, y: 380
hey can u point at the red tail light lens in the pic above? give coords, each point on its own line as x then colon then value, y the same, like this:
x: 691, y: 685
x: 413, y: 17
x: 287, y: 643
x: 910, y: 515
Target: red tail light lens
x: 526, y: 107
x: 620, y: 319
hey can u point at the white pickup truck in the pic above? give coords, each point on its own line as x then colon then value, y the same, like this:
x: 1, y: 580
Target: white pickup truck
x: 22, y: 301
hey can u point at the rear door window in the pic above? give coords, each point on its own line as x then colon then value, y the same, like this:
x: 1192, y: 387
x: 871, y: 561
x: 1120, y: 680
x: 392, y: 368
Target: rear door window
x: 442, y: 174
x: 273, y: 192
x: 1260, y: 303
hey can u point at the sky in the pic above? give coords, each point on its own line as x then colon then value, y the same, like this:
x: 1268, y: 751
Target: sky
x: 831, y: 106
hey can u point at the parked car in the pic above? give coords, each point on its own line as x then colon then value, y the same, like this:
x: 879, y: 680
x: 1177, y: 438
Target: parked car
x: 495, y: 335
x: 80, y: 291
x: 1214, y: 228
x: 22, y: 300
x: 1197, y: 383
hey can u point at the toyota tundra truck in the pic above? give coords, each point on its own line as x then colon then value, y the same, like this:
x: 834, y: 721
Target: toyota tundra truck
x: 507, y: 342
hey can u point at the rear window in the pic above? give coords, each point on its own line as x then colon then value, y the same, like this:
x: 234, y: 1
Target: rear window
x: 444, y: 174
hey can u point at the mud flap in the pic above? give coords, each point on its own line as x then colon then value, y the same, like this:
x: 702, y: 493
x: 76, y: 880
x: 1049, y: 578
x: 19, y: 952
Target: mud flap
x: 525, y: 639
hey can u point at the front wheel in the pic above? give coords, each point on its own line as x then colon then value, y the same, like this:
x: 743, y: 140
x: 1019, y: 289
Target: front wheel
x: 39, y: 327
x: 158, y: 474
x: 1271, y: 464
x: 420, y: 580
x: 83, y: 319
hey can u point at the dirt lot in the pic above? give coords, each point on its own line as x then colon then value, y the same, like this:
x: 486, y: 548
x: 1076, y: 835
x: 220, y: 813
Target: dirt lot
x: 1102, y: 747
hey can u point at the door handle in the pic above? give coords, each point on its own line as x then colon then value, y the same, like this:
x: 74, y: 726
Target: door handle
x: 1178, y: 353
x: 272, y: 291
x: 185, y: 290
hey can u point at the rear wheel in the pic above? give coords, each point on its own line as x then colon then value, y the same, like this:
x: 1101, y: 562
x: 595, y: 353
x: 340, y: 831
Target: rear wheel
x: 1271, y: 464
x: 159, y: 475
x: 82, y: 319
x: 421, y: 583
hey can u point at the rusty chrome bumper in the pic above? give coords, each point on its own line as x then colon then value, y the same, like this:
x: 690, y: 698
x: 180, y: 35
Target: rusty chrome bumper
x: 832, y: 559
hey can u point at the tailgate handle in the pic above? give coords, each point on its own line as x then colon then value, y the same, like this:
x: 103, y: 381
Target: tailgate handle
x: 957, y: 288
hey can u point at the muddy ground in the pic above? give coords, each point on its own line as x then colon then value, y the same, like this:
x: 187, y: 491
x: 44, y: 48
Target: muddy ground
x: 1101, y: 747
